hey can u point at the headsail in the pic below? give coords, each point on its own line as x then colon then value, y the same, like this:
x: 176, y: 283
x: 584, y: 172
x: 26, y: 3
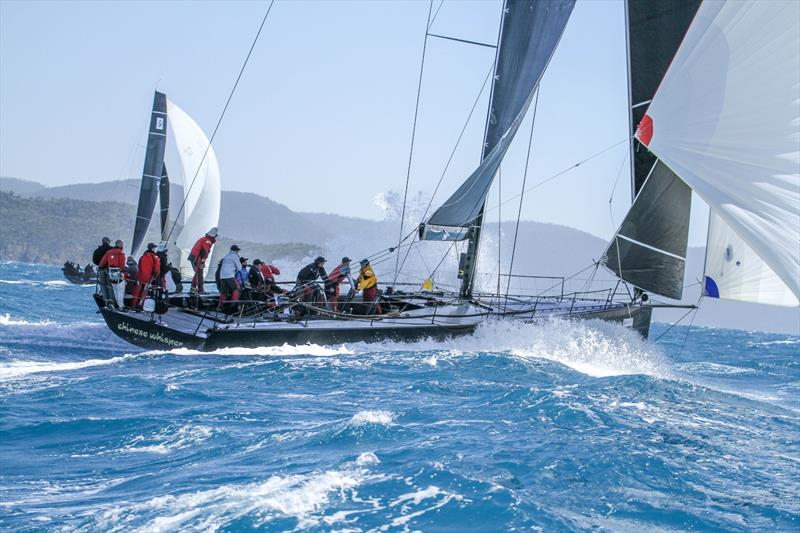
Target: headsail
x: 649, y: 249
x: 153, y: 166
x: 735, y: 272
x: 726, y: 119
x: 530, y: 33
x: 201, y: 183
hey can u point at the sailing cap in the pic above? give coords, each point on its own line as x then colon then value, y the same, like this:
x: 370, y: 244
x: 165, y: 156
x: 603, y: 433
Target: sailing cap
x: 257, y: 262
x: 212, y: 232
x: 346, y: 259
x: 364, y: 262
x: 235, y: 248
x: 243, y: 260
x: 106, y: 240
x: 320, y: 259
x: 151, y: 246
x: 118, y: 244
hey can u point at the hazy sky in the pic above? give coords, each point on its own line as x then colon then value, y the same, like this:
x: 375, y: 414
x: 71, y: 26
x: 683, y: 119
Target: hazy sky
x: 323, y: 116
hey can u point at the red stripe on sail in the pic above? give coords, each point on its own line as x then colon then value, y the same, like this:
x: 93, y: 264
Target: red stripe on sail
x: 644, y: 132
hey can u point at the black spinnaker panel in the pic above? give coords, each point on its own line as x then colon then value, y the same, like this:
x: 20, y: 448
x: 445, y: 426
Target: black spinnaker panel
x: 655, y: 31
x: 153, y: 167
x: 530, y: 33
x: 649, y: 249
x: 163, y: 197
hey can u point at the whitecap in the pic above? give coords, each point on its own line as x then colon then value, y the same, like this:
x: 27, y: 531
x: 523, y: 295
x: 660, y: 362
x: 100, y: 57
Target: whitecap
x: 361, y: 418
x: 300, y: 496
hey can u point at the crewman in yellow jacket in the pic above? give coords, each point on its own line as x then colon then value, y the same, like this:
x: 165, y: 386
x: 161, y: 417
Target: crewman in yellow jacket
x: 368, y: 284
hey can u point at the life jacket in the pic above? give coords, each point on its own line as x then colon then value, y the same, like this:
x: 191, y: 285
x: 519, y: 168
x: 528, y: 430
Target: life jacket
x: 367, y: 278
x: 114, y: 258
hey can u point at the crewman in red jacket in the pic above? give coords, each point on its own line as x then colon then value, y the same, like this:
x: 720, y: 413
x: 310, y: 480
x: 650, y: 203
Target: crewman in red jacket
x: 338, y: 275
x: 200, y: 253
x: 148, y: 273
x: 114, y: 262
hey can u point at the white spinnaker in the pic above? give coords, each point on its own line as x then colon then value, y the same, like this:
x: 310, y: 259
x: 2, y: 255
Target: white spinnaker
x: 201, y: 209
x: 735, y: 272
x: 726, y: 119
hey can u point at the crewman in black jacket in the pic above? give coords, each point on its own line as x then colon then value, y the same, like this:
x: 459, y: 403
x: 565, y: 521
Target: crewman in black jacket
x: 104, y: 288
x: 306, y: 290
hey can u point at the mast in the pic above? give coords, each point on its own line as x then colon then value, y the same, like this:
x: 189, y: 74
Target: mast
x: 469, y: 261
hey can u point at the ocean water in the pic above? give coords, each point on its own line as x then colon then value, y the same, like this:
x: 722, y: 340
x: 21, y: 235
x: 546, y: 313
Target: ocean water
x: 559, y: 427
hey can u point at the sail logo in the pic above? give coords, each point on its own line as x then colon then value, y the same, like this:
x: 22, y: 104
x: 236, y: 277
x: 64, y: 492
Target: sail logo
x: 160, y: 123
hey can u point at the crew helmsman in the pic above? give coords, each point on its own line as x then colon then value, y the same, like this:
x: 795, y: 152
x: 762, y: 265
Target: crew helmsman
x: 368, y: 284
x: 147, y: 274
x: 114, y: 263
x: 200, y: 253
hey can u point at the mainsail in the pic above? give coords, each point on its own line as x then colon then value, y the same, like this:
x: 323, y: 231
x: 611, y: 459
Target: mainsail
x: 530, y: 33
x: 163, y: 196
x: 649, y: 248
x: 201, y: 181
x: 153, y: 167
x: 726, y: 119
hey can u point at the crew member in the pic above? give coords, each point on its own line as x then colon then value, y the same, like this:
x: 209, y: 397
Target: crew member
x: 103, y: 286
x: 200, y: 253
x: 368, y: 284
x: 242, y: 279
x: 306, y: 281
x: 338, y: 275
x: 113, y: 262
x: 161, y: 252
x: 147, y: 274
x: 229, y: 266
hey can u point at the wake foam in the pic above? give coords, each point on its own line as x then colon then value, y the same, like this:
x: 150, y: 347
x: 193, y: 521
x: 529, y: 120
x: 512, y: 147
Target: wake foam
x: 594, y: 347
x: 16, y: 369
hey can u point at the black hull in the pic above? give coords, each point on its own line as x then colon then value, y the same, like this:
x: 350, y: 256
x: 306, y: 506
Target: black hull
x: 142, y: 330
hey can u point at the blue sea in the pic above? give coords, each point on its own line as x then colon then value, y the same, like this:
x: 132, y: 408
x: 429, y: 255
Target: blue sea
x: 558, y: 427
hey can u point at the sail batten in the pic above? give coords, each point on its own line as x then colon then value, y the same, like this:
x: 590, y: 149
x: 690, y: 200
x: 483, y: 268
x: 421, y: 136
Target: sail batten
x: 151, y: 173
x: 531, y: 30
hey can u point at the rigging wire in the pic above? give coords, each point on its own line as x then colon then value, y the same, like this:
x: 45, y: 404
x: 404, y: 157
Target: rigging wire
x: 558, y: 174
x: 522, y: 194
x: 413, y: 136
x: 453, y: 152
x: 430, y: 25
x: 221, y: 116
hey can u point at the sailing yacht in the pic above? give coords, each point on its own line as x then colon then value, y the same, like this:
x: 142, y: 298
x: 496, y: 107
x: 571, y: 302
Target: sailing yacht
x: 698, y: 122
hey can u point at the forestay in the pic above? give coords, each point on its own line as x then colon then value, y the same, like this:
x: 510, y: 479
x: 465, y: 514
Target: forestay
x: 201, y: 182
x: 726, y: 119
x: 530, y: 33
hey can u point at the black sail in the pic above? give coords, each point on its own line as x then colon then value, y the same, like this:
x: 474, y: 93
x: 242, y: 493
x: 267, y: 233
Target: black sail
x: 655, y: 31
x: 163, y: 196
x: 649, y: 249
x: 531, y: 30
x: 153, y: 168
